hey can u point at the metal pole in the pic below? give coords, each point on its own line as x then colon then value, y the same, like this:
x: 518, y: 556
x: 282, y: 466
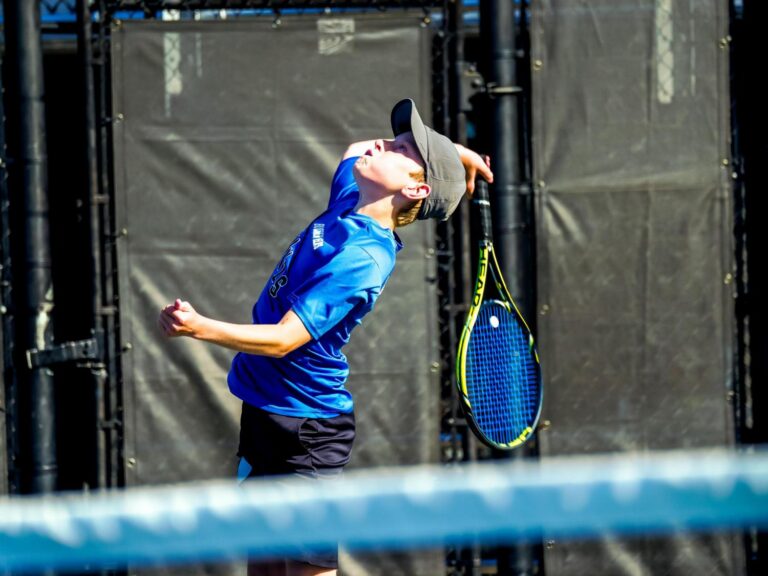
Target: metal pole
x: 511, y: 194
x: 510, y: 197
x: 28, y: 186
x: 8, y: 389
x: 752, y: 125
x: 471, y: 555
x: 112, y: 424
x: 95, y: 200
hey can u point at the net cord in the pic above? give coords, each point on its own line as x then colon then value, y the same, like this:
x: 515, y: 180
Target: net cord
x: 401, y: 508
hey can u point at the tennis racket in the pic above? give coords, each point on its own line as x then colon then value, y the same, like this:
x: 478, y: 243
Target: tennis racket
x: 497, y: 368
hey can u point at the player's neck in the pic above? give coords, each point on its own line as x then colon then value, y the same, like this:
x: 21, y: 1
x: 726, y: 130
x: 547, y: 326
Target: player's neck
x: 380, y: 209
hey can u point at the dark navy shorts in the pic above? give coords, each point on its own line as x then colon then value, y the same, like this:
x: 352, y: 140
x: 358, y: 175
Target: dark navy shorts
x: 314, y: 448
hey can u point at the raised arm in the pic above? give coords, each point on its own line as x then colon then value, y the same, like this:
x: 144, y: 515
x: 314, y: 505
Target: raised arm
x: 474, y: 164
x: 274, y: 340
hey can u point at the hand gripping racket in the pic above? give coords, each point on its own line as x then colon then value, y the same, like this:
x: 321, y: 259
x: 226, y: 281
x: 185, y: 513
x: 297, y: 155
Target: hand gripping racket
x: 497, y: 369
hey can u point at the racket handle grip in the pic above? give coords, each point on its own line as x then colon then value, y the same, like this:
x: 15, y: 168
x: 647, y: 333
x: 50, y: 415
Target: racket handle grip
x: 482, y: 201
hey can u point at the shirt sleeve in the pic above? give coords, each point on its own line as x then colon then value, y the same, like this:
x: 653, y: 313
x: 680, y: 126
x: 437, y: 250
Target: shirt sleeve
x: 348, y: 284
x: 344, y: 186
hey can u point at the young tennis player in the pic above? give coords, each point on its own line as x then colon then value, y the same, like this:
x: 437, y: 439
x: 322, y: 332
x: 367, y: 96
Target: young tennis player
x: 289, y: 371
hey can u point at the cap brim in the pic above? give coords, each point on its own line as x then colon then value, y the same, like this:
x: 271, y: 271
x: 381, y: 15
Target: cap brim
x: 405, y: 118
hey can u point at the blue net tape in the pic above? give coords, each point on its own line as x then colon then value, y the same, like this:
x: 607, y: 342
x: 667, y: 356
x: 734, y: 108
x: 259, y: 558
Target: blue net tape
x: 430, y: 506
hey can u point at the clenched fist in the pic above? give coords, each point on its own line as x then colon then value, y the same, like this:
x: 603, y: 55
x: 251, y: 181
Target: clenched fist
x: 179, y: 319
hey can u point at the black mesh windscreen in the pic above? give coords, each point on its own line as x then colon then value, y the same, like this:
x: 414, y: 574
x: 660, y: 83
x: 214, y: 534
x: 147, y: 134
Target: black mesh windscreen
x: 226, y: 138
x: 4, y: 256
x: 634, y: 235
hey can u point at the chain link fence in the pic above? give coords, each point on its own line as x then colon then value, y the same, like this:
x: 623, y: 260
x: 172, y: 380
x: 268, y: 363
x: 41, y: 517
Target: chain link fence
x: 53, y: 11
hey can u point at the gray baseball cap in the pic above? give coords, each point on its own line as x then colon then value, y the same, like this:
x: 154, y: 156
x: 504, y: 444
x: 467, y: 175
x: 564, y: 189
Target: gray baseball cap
x: 443, y: 168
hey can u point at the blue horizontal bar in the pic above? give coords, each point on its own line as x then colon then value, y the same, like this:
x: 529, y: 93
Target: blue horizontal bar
x: 401, y: 508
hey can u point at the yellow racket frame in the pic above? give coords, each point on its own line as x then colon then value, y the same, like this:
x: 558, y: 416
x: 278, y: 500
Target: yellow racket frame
x: 486, y: 258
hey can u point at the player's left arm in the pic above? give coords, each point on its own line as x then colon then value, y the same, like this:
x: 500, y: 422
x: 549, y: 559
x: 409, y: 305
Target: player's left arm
x: 274, y: 340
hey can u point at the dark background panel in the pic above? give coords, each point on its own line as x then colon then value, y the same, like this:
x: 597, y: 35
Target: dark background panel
x: 612, y: 556
x: 641, y: 78
x: 635, y: 250
x: 228, y: 139
x: 637, y: 279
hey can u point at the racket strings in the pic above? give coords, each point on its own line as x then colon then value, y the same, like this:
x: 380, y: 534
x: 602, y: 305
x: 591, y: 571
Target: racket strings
x: 502, y: 376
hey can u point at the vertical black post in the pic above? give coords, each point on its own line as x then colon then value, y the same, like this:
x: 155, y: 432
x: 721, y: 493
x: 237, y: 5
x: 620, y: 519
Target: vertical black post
x: 510, y: 195
x: 95, y: 201
x: 112, y: 425
x: 752, y: 123
x: 446, y: 230
x: 28, y: 191
x: 461, y: 275
x: 9, y: 481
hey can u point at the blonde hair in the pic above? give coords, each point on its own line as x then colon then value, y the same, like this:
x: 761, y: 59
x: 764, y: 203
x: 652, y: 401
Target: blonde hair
x: 409, y: 212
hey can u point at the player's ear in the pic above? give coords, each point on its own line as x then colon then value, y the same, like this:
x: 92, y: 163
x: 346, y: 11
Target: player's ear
x: 417, y: 190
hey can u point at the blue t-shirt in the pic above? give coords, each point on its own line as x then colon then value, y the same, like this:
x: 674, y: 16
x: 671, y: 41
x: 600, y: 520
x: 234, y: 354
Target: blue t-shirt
x: 330, y: 276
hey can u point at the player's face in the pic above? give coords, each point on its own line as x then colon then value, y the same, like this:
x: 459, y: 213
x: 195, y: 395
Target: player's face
x: 390, y: 163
